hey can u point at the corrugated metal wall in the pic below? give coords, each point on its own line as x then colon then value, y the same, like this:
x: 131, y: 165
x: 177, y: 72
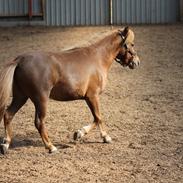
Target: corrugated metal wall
x: 18, y: 7
x: 94, y: 12
x: 145, y: 11
x: 13, y: 7
x: 77, y: 12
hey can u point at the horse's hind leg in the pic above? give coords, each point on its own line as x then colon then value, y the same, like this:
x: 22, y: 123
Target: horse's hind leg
x: 40, y: 114
x: 18, y: 101
x: 93, y: 103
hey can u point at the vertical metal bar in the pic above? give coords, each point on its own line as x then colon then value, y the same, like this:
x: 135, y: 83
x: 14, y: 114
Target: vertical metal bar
x: 43, y: 8
x: 30, y: 9
x: 181, y: 10
x: 111, y: 12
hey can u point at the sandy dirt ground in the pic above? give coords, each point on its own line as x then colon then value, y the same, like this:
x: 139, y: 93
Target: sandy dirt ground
x: 143, y: 110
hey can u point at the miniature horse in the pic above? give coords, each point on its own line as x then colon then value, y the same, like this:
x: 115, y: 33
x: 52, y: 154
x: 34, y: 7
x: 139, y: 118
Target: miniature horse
x: 79, y: 73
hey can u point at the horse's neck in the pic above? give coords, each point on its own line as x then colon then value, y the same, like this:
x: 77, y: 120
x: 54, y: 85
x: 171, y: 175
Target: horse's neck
x: 107, y: 49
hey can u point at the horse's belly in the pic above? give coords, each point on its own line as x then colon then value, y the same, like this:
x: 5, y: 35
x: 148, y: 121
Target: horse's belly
x: 65, y: 93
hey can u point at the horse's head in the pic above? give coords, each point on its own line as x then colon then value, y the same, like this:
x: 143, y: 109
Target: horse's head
x: 127, y: 56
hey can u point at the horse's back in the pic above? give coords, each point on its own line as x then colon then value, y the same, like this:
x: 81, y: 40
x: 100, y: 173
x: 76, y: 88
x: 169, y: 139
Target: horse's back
x: 64, y: 76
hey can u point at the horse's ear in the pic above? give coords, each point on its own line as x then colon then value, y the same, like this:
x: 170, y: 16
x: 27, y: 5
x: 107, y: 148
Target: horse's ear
x: 125, y: 31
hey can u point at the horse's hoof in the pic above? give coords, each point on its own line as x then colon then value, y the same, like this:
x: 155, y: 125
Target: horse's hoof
x: 107, y: 139
x: 53, y: 150
x: 78, y: 135
x: 3, y: 149
x: 4, y: 140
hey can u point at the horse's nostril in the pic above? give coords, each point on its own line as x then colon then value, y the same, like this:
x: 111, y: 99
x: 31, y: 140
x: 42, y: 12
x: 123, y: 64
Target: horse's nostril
x: 137, y: 63
x: 134, y: 64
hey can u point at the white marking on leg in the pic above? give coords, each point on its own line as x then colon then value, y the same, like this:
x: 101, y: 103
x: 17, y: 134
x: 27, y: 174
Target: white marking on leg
x: 107, y: 139
x: 4, y: 148
x: 53, y: 149
x: 87, y: 128
x: 81, y: 133
x: 4, y: 140
x: 103, y: 133
x: 6, y: 145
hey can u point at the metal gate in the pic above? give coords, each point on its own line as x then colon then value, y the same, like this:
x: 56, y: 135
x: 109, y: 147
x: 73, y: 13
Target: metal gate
x: 16, y: 9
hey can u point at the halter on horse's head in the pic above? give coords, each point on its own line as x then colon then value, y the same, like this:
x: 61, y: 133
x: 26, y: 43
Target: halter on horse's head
x: 127, y: 55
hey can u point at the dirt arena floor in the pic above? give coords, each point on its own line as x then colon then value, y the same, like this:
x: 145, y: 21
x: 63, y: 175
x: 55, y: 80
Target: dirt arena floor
x: 143, y: 110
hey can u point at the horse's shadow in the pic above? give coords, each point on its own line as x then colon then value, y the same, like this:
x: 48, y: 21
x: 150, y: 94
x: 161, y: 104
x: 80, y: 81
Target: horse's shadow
x: 18, y: 142
x: 84, y: 141
x: 21, y: 141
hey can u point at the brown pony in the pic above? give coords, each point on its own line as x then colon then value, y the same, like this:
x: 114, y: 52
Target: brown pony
x: 79, y: 73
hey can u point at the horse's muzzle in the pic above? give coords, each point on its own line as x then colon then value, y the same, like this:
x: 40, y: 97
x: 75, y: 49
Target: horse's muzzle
x: 134, y: 64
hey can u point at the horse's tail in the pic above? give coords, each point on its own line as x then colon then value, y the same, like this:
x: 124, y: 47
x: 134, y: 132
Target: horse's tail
x: 6, y: 85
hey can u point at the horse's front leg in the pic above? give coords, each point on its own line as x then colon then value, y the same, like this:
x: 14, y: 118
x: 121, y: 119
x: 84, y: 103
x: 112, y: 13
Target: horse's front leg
x: 93, y: 103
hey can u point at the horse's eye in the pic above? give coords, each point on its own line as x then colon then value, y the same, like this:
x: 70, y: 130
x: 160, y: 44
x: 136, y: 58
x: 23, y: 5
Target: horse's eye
x: 132, y: 44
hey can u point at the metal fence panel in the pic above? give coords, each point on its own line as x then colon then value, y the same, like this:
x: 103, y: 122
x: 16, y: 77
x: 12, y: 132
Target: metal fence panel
x: 77, y: 12
x: 145, y: 11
